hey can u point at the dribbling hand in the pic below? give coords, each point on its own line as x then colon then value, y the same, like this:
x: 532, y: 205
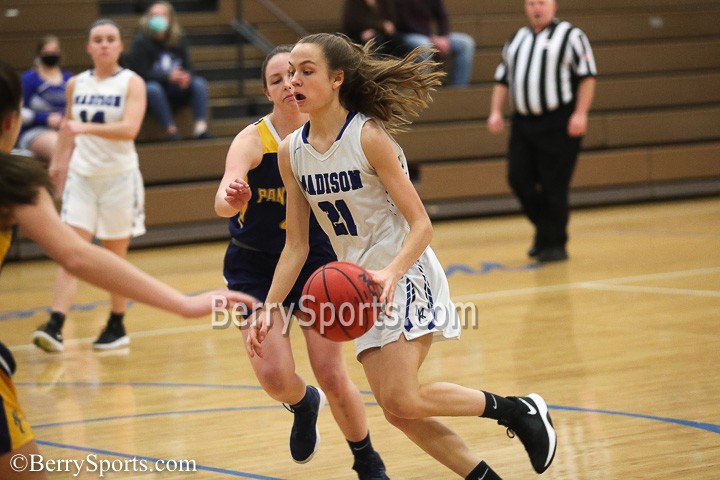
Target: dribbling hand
x: 388, y: 281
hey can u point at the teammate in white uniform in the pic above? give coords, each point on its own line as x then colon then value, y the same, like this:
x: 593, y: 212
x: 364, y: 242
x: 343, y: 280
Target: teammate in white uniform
x: 103, y: 194
x: 348, y: 169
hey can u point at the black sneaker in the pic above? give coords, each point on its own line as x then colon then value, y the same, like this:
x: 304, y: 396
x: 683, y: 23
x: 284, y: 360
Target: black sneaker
x: 370, y: 467
x: 48, y: 337
x: 532, y: 424
x: 305, y: 436
x: 113, y: 336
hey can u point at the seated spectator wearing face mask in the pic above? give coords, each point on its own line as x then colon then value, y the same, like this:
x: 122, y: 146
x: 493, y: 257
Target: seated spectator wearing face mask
x: 43, y: 100
x: 160, y: 55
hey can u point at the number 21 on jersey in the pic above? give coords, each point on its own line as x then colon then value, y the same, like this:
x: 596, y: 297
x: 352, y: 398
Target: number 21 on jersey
x: 339, y: 215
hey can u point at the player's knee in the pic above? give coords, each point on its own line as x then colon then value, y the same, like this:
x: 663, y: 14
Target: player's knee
x: 333, y: 381
x: 401, y: 406
x: 274, y: 381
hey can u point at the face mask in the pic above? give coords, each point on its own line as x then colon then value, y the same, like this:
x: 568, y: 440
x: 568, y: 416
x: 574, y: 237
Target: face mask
x: 158, y: 24
x: 50, y: 60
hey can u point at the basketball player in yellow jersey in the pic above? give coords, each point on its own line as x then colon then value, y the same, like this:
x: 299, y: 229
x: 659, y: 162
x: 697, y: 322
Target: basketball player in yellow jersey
x: 354, y: 100
x: 252, y: 195
x: 25, y: 201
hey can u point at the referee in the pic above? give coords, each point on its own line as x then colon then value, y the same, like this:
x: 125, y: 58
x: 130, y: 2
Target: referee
x: 549, y: 71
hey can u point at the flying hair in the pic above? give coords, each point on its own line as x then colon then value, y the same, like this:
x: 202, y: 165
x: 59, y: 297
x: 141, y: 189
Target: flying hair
x: 389, y: 89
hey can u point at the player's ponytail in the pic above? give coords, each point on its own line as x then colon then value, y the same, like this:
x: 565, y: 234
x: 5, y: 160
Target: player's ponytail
x: 386, y: 88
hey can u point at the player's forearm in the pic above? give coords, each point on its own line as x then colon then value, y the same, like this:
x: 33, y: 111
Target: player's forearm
x: 124, y: 130
x: 420, y: 236
x: 287, y: 271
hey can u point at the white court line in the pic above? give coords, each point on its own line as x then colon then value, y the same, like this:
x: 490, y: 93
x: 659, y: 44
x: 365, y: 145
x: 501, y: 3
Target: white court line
x: 661, y: 276
x: 658, y: 290
x: 135, y: 334
x: 599, y: 284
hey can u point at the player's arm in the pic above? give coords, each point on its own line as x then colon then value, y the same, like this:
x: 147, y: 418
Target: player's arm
x: 383, y: 156
x: 244, y: 154
x: 293, y: 255
x: 105, y: 269
x: 65, y: 145
x: 127, y: 128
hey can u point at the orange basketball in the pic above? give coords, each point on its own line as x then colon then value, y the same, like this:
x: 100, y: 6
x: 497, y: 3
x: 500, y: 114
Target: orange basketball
x: 340, y: 300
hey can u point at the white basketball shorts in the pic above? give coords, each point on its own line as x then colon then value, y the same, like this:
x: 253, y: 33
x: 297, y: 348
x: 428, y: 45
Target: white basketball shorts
x: 421, y: 306
x: 111, y: 207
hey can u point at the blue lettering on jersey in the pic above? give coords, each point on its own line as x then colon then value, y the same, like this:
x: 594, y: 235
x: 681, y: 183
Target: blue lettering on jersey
x: 102, y: 100
x: 332, y: 182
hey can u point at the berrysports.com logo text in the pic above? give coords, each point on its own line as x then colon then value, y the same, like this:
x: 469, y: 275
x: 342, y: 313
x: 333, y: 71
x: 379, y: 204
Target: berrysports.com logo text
x: 389, y: 315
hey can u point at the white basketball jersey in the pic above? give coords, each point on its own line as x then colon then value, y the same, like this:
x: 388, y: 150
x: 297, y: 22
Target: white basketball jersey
x: 101, y: 101
x: 348, y: 198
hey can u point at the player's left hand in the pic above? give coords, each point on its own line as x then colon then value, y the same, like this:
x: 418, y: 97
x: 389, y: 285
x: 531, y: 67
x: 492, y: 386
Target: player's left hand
x: 388, y: 280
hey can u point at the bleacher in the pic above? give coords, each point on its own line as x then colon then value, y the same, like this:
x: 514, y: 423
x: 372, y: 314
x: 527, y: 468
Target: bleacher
x: 654, y: 129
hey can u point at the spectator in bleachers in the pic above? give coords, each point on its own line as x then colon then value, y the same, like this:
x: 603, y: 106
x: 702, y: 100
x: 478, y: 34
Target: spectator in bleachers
x: 365, y: 20
x: 552, y: 89
x: 43, y: 100
x: 426, y: 23
x: 160, y: 55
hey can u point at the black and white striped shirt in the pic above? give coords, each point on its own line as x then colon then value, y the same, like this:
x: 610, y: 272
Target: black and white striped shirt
x: 542, y: 70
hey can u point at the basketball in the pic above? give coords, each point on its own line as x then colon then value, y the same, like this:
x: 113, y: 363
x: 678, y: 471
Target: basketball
x: 339, y: 299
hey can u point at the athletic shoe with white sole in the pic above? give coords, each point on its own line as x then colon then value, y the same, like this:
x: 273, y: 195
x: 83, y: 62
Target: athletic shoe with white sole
x: 304, y: 435
x: 533, y: 426
x: 48, y: 337
x: 113, y: 336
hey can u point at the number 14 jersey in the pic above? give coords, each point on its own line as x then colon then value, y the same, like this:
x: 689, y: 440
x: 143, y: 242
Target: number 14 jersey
x: 101, y: 101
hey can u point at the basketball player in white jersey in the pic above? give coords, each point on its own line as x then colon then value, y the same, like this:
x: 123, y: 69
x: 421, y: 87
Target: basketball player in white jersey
x: 97, y: 165
x: 344, y: 165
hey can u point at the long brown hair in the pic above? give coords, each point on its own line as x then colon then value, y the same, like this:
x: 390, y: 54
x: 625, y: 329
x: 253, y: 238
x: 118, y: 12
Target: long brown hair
x: 20, y: 177
x: 386, y: 88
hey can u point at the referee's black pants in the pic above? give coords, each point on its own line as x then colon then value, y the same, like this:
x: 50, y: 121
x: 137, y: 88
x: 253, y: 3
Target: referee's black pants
x: 541, y: 162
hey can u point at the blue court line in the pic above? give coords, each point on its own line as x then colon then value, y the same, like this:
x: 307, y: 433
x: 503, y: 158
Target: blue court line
x: 225, y: 471
x: 146, y: 384
x: 710, y: 427
x: 713, y: 428
x: 136, y: 384
x: 156, y: 414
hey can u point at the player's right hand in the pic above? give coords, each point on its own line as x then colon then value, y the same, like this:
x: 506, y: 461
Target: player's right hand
x: 238, y: 194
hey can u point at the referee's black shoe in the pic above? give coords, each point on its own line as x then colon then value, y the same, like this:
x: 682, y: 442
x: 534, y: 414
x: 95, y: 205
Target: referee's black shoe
x: 533, y: 426
x: 552, y: 254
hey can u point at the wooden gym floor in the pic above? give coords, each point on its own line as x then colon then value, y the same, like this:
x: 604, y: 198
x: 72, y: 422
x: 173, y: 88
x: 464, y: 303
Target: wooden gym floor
x: 622, y: 341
